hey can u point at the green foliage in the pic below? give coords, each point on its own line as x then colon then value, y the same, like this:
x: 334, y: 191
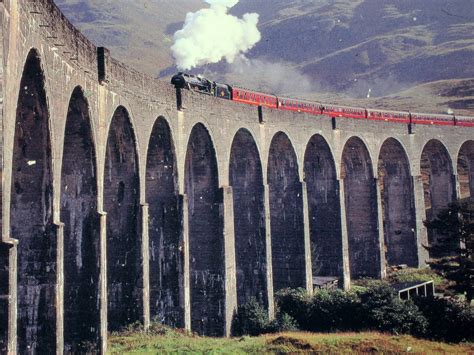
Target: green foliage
x: 251, y: 319
x: 448, y: 319
x: 295, y: 303
x: 384, y: 311
x: 376, y: 307
x: 282, y: 323
x: 335, y: 310
x: 456, y: 226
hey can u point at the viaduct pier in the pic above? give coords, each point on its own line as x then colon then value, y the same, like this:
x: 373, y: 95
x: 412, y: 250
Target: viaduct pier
x: 116, y: 207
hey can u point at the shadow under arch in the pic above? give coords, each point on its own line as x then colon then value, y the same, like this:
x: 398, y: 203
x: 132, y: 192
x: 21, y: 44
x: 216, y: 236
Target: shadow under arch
x: 31, y: 221
x: 164, y: 227
x: 206, y: 244
x: 81, y: 229
x: 324, y: 208
x: 439, y: 189
x: 121, y: 202
x: 360, y: 196
x: 246, y: 179
x: 398, y: 204
x: 465, y: 167
x: 286, y: 215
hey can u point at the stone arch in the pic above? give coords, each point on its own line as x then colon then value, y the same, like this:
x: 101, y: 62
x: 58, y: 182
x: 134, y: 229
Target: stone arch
x: 324, y: 208
x: 206, y: 244
x: 164, y: 226
x: 81, y: 229
x: 361, y: 210
x: 398, y: 204
x: 465, y: 166
x: 31, y: 218
x: 286, y: 212
x: 121, y: 203
x: 246, y: 179
x: 439, y: 187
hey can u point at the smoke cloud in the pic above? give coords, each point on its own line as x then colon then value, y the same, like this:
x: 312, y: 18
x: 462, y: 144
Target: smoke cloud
x: 210, y: 35
x: 273, y: 77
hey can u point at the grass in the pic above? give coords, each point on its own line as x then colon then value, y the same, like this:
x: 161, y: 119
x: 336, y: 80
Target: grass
x: 411, y: 274
x: 408, y: 275
x: 169, y: 341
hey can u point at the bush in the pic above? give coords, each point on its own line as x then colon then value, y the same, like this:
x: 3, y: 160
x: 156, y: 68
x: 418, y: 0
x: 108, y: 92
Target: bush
x: 334, y: 310
x: 251, y: 319
x: 295, y: 303
x: 448, y: 319
x: 384, y: 311
x: 282, y: 323
x: 376, y: 307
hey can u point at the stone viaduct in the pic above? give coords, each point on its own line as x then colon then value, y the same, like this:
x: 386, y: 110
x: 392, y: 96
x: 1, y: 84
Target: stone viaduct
x: 119, y: 208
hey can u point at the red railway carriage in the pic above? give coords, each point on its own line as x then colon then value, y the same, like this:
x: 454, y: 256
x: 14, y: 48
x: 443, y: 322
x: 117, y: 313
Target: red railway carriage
x: 388, y: 116
x: 464, y: 121
x: 253, y: 98
x: 344, y: 111
x: 423, y: 118
x: 287, y: 104
x: 249, y: 97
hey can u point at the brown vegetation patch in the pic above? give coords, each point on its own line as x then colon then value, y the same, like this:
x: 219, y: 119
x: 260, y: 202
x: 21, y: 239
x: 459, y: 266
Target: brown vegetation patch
x: 293, y: 342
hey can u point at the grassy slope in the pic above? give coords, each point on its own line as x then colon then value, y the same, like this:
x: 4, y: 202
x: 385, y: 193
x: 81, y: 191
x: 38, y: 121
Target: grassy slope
x: 176, y: 342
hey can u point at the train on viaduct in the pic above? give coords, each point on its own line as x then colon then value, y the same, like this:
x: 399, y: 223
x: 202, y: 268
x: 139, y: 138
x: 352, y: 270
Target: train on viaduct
x: 117, y: 207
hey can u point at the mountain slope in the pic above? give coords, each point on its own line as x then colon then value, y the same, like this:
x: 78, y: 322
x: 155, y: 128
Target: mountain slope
x: 137, y: 32
x: 357, y: 45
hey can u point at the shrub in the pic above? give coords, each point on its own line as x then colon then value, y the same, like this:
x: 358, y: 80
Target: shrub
x: 282, y: 323
x: 295, y: 303
x: 334, y: 310
x: 251, y: 319
x: 448, y: 319
x: 382, y: 310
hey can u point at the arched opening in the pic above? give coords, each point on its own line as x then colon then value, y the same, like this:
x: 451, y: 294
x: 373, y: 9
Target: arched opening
x: 324, y: 208
x: 361, y: 210
x: 121, y: 203
x: 206, y: 245
x: 398, y: 205
x: 439, y: 189
x: 81, y: 229
x: 31, y: 215
x: 164, y: 227
x: 246, y: 179
x: 466, y: 170
x: 286, y: 212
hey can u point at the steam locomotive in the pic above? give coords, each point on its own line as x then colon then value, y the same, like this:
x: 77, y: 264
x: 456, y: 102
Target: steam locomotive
x: 250, y: 97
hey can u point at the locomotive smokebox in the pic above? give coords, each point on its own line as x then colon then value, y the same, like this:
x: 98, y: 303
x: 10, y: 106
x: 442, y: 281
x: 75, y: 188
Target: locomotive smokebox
x: 178, y: 81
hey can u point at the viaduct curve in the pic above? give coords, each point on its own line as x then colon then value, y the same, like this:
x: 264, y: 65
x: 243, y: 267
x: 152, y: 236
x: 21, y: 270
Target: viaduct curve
x: 117, y: 207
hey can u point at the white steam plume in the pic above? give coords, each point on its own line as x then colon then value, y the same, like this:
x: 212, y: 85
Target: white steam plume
x: 273, y: 77
x: 210, y: 35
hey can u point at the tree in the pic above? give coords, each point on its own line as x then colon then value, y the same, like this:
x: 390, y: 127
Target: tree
x: 455, y: 225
